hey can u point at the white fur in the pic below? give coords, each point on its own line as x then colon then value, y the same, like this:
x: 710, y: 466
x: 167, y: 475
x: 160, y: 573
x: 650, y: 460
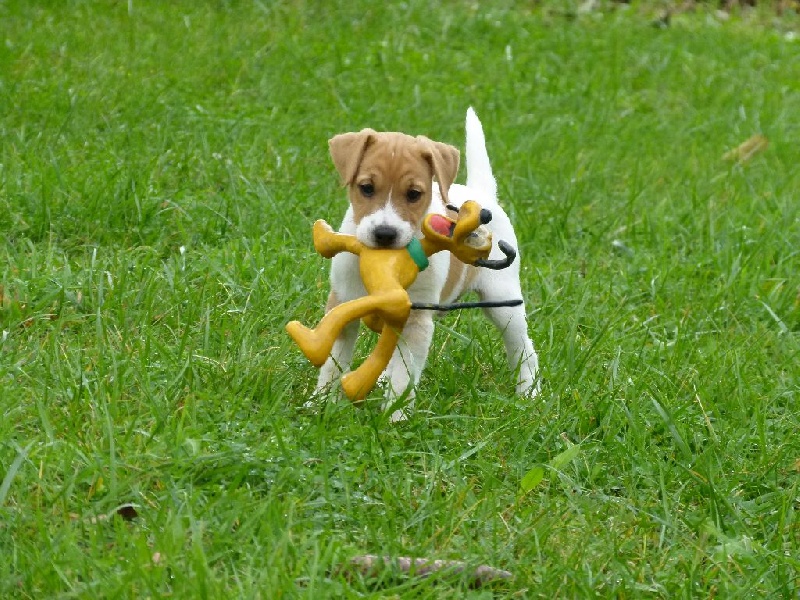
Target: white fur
x: 408, y: 361
x: 386, y: 215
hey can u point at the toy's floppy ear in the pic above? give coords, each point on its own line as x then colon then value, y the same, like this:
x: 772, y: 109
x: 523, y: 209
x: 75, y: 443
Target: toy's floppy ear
x: 347, y: 150
x: 444, y: 162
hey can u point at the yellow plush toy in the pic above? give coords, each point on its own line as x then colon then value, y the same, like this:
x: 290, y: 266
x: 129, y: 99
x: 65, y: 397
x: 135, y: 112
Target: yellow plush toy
x: 386, y: 274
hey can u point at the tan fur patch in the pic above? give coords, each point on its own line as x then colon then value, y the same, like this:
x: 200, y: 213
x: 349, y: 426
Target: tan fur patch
x: 459, y: 279
x: 333, y: 302
x: 394, y: 165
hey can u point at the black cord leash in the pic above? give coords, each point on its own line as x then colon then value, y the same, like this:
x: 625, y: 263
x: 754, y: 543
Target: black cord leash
x: 458, y: 305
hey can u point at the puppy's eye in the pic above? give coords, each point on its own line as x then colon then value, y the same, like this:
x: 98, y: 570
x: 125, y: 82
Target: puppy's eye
x: 367, y: 189
x: 413, y: 195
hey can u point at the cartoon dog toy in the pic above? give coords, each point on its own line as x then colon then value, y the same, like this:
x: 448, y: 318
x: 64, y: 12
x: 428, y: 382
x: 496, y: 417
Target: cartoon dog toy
x: 387, y: 273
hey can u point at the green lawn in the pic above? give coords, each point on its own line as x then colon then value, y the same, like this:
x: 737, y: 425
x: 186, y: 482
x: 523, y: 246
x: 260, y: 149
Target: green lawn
x: 160, y: 166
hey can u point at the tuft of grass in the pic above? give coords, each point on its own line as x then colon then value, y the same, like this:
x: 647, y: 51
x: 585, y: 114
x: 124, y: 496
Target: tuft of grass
x: 160, y: 166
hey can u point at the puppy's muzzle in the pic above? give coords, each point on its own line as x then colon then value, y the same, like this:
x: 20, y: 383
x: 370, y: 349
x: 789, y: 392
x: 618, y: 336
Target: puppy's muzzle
x: 384, y: 236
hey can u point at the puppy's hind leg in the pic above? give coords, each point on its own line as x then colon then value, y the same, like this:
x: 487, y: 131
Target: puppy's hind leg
x: 513, y: 325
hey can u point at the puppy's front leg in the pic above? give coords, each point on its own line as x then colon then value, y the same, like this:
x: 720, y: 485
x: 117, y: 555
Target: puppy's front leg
x: 339, y: 360
x: 408, y: 361
x: 341, y: 354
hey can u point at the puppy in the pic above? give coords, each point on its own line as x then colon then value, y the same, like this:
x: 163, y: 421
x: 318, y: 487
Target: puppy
x: 390, y: 181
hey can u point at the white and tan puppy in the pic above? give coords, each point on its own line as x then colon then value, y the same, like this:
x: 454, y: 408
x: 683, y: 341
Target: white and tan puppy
x: 390, y: 180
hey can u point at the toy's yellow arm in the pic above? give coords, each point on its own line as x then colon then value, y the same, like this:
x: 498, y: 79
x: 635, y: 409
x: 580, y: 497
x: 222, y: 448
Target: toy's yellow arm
x: 329, y: 243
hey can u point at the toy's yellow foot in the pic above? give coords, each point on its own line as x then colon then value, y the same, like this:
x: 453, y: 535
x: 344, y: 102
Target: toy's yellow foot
x: 354, y: 386
x: 374, y: 322
x: 326, y: 242
x: 357, y: 384
x: 313, y: 346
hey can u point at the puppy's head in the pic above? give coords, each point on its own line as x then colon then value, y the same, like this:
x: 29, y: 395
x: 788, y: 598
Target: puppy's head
x: 389, y: 177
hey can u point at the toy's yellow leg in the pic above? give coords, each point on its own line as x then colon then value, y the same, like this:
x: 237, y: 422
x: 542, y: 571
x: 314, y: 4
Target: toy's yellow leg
x: 316, y: 343
x: 315, y: 349
x: 357, y: 384
x: 374, y: 322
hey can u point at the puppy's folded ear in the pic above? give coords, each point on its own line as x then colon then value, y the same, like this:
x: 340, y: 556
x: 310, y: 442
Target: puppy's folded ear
x: 444, y: 162
x: 347, y: 150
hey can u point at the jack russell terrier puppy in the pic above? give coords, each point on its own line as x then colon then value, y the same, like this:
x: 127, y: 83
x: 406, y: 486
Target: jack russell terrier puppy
x: 390, y: 181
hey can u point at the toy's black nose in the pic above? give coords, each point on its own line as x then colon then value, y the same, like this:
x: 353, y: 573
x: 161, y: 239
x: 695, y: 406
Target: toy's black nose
x: 384, y: 235
x: 486, y: 216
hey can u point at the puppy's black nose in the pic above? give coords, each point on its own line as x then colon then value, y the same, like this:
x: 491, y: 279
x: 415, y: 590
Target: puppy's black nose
x: 384, y: 235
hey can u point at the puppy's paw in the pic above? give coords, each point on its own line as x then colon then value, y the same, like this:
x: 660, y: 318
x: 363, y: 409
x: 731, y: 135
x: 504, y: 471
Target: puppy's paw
x: 316, y: 400
x: 326, y: 391
x: 528, y: 388
x: 328, y: 379
x: 401, y: 408
x: 529, y: 382
x: 313, y: 404
x: 398, y: 416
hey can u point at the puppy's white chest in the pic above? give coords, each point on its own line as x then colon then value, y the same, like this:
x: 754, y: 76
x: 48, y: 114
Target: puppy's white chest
x: 346, y: 278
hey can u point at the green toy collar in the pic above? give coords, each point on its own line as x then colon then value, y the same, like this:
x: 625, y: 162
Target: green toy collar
x: 417, y: 254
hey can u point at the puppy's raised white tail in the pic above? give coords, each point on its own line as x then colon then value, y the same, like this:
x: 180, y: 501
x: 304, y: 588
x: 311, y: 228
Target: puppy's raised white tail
x: 479, y: 170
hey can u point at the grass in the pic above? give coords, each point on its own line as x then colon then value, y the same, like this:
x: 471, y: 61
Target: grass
x: 160, y: 165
